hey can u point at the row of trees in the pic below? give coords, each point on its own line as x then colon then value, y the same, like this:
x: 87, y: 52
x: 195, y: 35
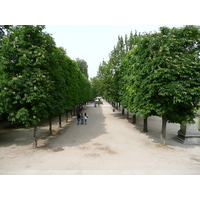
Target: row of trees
x: 155, y: 74
x: 37, y: 79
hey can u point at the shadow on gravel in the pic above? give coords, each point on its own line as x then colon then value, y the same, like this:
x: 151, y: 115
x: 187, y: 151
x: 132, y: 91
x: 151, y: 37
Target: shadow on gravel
x: 154, y: 129
x: 76, y: 135
x: 18, y: 137
x: 69, y: 135
x: 24, y: 136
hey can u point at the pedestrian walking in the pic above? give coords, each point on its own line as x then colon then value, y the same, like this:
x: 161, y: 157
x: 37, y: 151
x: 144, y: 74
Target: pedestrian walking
x: 86, y: 118
x: 82, y: 119
x: 78, y: 118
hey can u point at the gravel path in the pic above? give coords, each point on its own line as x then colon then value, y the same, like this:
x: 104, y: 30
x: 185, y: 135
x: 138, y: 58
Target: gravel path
x: 108, y: 144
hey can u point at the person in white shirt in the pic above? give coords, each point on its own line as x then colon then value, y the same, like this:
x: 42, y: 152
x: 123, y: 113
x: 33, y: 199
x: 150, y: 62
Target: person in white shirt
x: 85, y: 118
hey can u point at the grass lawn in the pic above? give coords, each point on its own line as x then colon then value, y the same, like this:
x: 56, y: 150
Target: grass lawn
x: 99, y: 102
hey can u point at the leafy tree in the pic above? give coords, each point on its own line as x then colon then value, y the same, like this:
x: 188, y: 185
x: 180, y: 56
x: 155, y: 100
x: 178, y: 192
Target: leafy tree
x: 126, y: 72
x: 25, y: 79
x: 37, y: 79
x: 105, y: 80
x: 166, y: 75
x: 155, y: 74
x: 110, y: 75
x: 126, y: 76
x: 83, y: 66
x: 96, y: 86
x: 116, y: 57
x: 26, y: 69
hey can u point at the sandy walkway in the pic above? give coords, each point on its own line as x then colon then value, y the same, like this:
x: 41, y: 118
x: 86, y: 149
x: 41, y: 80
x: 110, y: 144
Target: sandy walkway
x: 108, y: 144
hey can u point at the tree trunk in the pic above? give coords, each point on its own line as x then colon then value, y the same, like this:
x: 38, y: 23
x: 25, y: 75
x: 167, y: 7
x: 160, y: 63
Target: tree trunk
x: 127, y: 114
x: 74, y: 110
x: 145, y: 129
x: 66, y: 116
x: 50, y: 126
x: 134, y: 119
x: 60, y: 123
x: 35, y: 137
x: 163, y: 131
x: 123, y: 111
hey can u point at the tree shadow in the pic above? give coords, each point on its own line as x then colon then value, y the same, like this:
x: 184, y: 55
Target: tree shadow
x: 24, y: 136
x: 18, y: 137
x: 72, y: 135
x: 154, y: 130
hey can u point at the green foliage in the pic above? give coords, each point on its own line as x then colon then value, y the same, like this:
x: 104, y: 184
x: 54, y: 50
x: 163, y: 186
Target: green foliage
x: 96, y: 87
x: 37, y: 79
x: 83, y: 66
x: 155, y: 73
x: 165, y: 78
x: 98, y: 102
x: 110, y: 76
x: 3, y: 29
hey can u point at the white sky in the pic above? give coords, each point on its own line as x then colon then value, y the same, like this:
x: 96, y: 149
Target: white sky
x: 93, y: 43
x: 89, y: 29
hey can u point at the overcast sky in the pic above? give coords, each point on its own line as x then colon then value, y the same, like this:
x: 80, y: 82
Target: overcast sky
x: 89, y: 29
x: 93, y: 43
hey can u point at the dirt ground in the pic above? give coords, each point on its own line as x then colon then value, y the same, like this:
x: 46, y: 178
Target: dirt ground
x: 108, y: 144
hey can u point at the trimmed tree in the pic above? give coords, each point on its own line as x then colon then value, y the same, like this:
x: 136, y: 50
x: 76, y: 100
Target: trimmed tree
x: 166, y: 75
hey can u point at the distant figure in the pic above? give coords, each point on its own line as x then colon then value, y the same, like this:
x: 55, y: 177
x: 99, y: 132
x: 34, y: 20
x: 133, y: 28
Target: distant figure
x: 78, y: 118
x: 86, y: 118
x: 82, y: 119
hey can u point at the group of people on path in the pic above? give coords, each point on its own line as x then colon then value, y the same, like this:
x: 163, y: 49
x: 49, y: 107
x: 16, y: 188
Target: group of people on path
x: 82, y: 119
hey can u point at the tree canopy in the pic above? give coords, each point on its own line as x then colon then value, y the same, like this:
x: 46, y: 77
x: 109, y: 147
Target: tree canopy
x: 83, y: 66
x: 37, y: 79
x: 155, y: 74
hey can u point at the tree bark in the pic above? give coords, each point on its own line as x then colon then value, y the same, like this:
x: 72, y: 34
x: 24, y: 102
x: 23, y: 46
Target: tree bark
x: 117, y: 105
x: 66, y: 116
x: 163, y: 131
x: 134, y: 119
x: 74, y: 110
x: 35, y: 137
x: 50, y: 126
x: 127, y: 114
x: 60, y: 123
x: 145, y: 127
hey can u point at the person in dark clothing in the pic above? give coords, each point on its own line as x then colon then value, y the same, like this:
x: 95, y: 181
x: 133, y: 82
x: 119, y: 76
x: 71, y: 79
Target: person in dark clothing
x: 78, y: 118
x: 82, y: 119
